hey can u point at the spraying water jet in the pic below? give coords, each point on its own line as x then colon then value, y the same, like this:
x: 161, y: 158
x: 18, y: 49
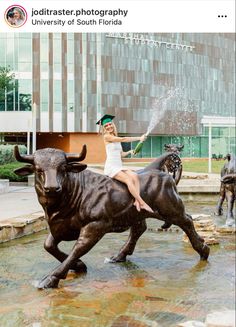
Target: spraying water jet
x: 158, y: 111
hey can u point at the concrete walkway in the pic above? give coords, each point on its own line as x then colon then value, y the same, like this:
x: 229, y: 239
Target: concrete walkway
x: 21, y: 214
x: 19, y: 201
x: 199, y: 183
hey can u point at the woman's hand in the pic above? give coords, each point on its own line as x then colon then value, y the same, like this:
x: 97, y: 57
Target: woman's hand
x: 125, y: 154
x: 143, y: 138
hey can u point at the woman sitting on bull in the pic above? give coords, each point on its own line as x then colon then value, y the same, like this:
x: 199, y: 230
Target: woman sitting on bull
x: 113, y: 165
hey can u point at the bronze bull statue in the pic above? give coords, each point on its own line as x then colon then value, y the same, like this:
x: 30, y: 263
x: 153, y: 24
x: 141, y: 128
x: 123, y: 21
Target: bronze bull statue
x: 176, y: 148
x: 228, y: 189
x: 82, y: 205
x: 176, y: 173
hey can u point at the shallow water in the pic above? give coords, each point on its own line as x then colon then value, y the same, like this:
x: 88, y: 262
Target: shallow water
x: 163, y: 283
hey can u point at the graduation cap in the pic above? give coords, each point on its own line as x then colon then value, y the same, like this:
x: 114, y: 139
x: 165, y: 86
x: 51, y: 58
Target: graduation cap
x: 105, y: 119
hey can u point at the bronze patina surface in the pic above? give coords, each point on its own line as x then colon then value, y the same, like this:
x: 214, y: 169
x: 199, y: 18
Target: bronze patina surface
x: 82, y: 205
x: 228, y: 189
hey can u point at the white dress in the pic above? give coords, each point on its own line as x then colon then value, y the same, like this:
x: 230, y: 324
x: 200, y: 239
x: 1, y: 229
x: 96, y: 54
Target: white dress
x: 113, y: 162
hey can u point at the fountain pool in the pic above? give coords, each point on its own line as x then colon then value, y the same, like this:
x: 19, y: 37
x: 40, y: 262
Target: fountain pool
x: 163, y: 283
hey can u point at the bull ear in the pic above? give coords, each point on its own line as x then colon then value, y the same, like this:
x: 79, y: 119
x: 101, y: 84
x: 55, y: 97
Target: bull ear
x: 24, y: 171
x: 75, y: 167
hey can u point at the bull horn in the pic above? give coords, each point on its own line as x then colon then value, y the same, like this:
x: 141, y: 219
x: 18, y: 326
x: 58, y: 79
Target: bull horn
x: 77, y: 157
x: 22, y: 158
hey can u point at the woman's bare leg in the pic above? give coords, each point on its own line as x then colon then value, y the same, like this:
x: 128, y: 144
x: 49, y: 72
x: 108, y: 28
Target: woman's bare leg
x: 135, y: 179
x: 125, y: 178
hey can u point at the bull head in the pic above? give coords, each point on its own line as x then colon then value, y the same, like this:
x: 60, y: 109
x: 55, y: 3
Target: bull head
x: 70, y: 157
x: 50, y: 167
x: 229, y: 179
x: 173, y: 148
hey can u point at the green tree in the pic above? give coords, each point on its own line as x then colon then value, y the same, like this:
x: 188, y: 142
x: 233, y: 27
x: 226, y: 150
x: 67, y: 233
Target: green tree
x: 9, y: 91
x: 6, y: 78
x: 6, y: 84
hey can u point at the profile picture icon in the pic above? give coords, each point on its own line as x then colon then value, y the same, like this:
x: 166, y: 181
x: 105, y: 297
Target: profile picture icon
x: 15, y: 16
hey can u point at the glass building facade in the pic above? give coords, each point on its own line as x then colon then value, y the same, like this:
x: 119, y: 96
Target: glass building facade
x: 16, y: 54
x: 74, y: 78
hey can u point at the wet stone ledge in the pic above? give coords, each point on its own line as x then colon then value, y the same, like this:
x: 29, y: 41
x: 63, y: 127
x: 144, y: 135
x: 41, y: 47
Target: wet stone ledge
x: 214, y: 319
x: 205, y: 227
x: 226, y: 230
x: 21, y: 226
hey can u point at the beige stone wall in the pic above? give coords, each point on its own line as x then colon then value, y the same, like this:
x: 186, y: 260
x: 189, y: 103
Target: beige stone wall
x: 95, y: 146
x: 73, y: 142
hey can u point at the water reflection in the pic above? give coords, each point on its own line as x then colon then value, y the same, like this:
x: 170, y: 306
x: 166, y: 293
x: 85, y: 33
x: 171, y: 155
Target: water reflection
x: 163, y: 283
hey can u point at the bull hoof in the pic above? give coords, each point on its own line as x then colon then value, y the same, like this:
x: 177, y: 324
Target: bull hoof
x: 48, y: 282
x: 205, y: 252
x: 79, y: 267
x: 117, y: 259
x: 230, y: 222
x: 218, y: 213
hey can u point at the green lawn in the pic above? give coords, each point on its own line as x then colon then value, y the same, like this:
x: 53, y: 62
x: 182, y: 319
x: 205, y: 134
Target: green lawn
x: 201, y: 165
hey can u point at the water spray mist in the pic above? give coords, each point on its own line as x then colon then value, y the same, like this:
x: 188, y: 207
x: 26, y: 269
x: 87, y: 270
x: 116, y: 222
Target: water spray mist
x: 158, y: 111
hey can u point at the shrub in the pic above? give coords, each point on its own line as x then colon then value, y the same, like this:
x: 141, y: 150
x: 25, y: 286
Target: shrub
x: 7, y: 153
x: 6, y: 172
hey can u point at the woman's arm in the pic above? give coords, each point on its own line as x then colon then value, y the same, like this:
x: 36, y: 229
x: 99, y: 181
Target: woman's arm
x: 112, y: 138
x: 126, y: 153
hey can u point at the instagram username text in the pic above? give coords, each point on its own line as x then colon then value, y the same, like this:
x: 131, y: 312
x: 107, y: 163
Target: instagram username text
x: 79, y: 12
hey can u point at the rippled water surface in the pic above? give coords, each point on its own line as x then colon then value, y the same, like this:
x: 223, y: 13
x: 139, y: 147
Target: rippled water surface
x: 163, y: 283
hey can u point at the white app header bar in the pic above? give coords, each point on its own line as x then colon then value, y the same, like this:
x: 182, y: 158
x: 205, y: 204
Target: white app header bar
x: 118, y: 16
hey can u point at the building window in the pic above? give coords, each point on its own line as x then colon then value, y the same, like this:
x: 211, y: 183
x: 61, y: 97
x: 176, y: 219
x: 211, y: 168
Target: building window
x: 57, y: 95
x: 44, y: 50
x: 57, y: 53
